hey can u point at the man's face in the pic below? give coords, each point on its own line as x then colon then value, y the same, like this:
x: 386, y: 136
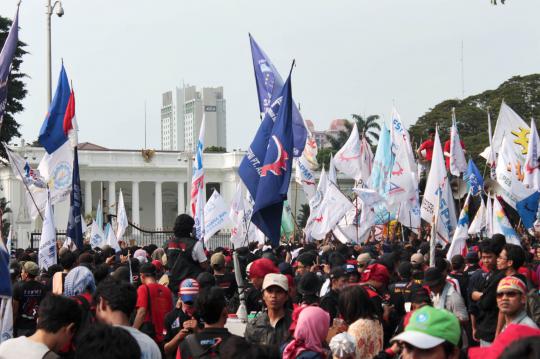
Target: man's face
x: 411, y: 352
x: 489, y: 260
x: 502, y: 261
x: 511, y: 302
x: 24, y: 275
x: 274, y: 297
x: 339, y: 283
x: 257, y: 282
x: 301, y: 269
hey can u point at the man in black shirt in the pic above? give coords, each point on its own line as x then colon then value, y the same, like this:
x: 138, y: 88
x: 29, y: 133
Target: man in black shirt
x: 27, y: 294
x: 338, y: 279
x: 224, y: 279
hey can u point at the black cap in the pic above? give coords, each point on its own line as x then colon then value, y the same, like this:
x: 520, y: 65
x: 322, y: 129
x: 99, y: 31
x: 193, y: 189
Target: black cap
x: 309, y: 284
x: 337, y: 273
x: 307, y: 259
x: 148, y: 269
x: 405, y: 269
x: 433, y: 276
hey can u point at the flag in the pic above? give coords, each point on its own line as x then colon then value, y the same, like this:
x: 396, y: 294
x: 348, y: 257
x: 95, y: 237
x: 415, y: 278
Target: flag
x: 491, y: 156
x: 475, y: 181
x: 74, y: 228
x: 97, y: 237
x: 528, y: 208
x: 438, y: 187
x: 122, y: 222
x: 276, y: 171
x: 111, y: 238
x: 305, y: 177
x: 332, y: 175
x: 70, y: 122
x: 382, y: 163
x: 347, y: 159
x: 5, y: 280
x: 315, y: 202
x: 479, y: 221
x: 197, y: 180
x: 366, y: 162
x: 489, y: 217
x: 9, y: 238
x: 459, y: 240
x: 237, y: 215
x: 458, y: 163
x: 269, y: 87
x: 532, y: 170
x: 215, y: 215
x: 502, y: 225
x: 310, y: 151
x: 47, y: 241
x: 401, y: 142
x: 6, y: 318
x: 287, y: 221
x: 509, y: 175
x: 99, y: 215
x: 6, y: 58
x: 199, y: 216
x: 333, y: 207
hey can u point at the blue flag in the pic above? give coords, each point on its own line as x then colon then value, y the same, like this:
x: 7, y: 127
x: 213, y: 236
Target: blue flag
x: 269, y: 87
x: 51, y: 134
x: 275, y: 172
x: 5, y: 280
x: 527, y: 209
x: 475, y: 181
x: 6, y: 57
x: 74, y: 227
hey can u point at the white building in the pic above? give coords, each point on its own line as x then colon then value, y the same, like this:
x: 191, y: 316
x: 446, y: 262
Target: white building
x: 182, y: 111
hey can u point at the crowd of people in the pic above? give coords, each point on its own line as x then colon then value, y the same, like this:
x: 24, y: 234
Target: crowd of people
x: 380, y: 299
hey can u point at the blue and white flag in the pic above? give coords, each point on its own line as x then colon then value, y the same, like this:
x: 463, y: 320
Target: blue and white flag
x: 74, y: 228
x: 275, y: 171
x: 97, y: 237
x: 122, y: 222
x: 459, y: 240
x: 382, y: 163
x: 47, y: 241
x: 199, y: 215
x: 5, y: 280
x: 475, y: 181
x: 215, y: 215
x: 111, y: 237
x: 527, y: 209
x: 6, y: 58
x: 532, y: 166
x: 502, y: 225
x: 269, y: 87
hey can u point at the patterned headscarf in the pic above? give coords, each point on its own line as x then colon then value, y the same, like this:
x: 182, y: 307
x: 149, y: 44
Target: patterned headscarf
x: 78, y: 281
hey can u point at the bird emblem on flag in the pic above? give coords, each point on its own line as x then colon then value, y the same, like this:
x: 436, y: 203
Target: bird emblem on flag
x: 280, y: 163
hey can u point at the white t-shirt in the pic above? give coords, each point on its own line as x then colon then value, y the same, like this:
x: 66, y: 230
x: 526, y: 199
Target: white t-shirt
x: 149, y: 348
x: 198, y: 254
x: 22, y: 347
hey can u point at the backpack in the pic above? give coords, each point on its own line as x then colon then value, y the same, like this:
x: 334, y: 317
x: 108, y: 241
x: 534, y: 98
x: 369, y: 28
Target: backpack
x: 199, y: 352
x: 182, y: 265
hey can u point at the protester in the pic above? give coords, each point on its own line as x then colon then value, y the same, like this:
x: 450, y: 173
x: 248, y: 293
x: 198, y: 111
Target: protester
x: 59, y: 319
x: 224, y: 279
x: 305, y: 263
x: 513, y: 334
x: 27, y: 294
x: 309, y: 335
x: 511, y: 301
x: 330, y: 301
x: 444, y: 295
x: 258, y: 269
x: 104, y: 341
x: 115, y: 302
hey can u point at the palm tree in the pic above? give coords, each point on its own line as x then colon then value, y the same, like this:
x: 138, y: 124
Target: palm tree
x: 368, y: 127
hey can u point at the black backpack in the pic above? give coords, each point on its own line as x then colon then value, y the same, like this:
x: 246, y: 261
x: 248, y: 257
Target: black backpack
x: 199, y: 352
x: 182, y: 265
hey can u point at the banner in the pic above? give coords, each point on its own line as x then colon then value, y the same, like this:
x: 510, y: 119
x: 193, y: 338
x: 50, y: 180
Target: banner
x: 215, y: 215
x: 479, y: 221
x: 347, y: 159
x: 532, y: 170
x: 305, y: 177
x: 333, y: 207
x: 47, y: 241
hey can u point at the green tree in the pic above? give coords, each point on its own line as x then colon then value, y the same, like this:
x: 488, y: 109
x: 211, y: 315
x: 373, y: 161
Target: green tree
x: 323, y: 156
x: 303, y: 215
x: 368, y: 127
x: 215, y: 149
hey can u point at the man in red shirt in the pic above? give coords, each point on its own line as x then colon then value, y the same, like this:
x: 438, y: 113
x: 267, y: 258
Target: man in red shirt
x: 447, y: 152
x: 154, y: 301
x: 425, y: 151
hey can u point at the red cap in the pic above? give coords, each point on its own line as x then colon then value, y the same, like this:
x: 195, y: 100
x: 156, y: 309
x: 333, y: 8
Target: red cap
x: 158, y: 265
x: 511, y: 334
x: 376, y: 272
x: 261, y: 267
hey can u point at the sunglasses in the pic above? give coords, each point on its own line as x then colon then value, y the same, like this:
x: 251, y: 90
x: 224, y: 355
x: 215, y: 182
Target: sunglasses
x: 508, y: 294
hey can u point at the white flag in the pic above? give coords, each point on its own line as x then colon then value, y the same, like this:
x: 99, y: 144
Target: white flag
x: 199, y: 215
x: 532, y: 172
x: 438, y: 182
x: 237, y: 216
x: 479, y: 221
x: 333, y: 207
x: 509, y: 172
x: 57, y: 169
x: 305, y: 177
x: 366, y: 162
x: 121, y: 217
x: 401, y: 142
x: 332, y: 175
x: 315, y: 202
x: 489, y: 217
x: 459, y: 240
x: 9, y: 237
x: 47, y: 241
x: 215, y: 215
x: 310, y: 151
x: 347, y: 159
x: 502, y: 225
x: 458, y: 163
x: 6, y: 319
x: 111, y: 238
x: 97, y: 237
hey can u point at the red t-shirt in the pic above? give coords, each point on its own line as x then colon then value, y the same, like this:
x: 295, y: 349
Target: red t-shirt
x: 161, y: 303
x: 447, y: 150
x: 428, y: 146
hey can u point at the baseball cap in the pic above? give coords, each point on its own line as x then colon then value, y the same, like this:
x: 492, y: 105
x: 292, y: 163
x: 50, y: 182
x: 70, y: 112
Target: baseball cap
x: 276, y: 279
x: 337, y: 273
x: 417, y: 258
x: 511, y: 283
x: 217, y: 259
x: 429, y: 327
x: 376, y: 272
x: 31, y: 268
x: 433, y: 276
x: 512, y: 333
x: 188, y: 290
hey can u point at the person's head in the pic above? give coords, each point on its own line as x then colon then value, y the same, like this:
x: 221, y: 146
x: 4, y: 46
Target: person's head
x: 431, y: 133
x: 311, y: 329
x: 183, y: 225
x: 430, y: 333
x: 457, y: 262
x: 434, y: 279
x: 488, y: 255
x: 526, y: 348
x: 354, y: 304
x: 79, y: 280
x: 67, y: 260
x: 338, y: 279
x: 511, y: 296
x: 417, y: 260
x: 472, y: 258
x: 259, y: 269
x: 512, y: 256
x: 502, y: 344
x: 304, y: 263
x: 308, y: 287
x: 362, y: 262
x: 420, y: 297
x: 105, y: 341
x: 212, y: 306
x: 275, y: 291
x: 148, y: 272
x: 114, y: 295
x: 30, y: 271
x: 217, y: 262
x: 343, y: 346
x: 60, y: 316
x: 187, y: 294
x: 206, y: 280
x: 376, y: 275
x: 405, y: 270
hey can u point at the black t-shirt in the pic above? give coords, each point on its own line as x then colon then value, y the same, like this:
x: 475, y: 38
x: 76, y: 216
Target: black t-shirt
x: 174, y: 322
x: 330, y: 303
x: 29, y: 294
x: 227, y: 282
x: 208, y: 342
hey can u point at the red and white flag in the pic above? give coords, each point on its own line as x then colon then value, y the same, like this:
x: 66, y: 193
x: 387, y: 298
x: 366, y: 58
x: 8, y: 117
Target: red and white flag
x: 347, y: 159
x: 197, y: 180
x: 70, y: 121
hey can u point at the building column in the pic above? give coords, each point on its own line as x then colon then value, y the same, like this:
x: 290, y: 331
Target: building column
x: 87, y: 198
x: 112, y: 197
x: 135, y: 203
x: 181, y: 196
x: 159, y: 207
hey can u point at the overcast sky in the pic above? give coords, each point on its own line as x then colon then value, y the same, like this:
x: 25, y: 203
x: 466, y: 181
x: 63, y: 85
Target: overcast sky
x: 353, y: 56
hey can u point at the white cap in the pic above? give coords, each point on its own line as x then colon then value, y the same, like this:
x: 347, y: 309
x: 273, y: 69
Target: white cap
x: 275, y: 279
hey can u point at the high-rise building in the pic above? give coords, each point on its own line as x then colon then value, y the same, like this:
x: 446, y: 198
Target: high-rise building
x: 182, y: 112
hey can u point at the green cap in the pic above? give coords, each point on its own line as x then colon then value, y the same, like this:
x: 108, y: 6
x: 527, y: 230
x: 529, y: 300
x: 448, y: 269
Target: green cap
x: 429, y: 327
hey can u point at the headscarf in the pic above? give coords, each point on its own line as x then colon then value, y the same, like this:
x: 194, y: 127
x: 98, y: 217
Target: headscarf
x: 78, y: 280
x: 310, y: 332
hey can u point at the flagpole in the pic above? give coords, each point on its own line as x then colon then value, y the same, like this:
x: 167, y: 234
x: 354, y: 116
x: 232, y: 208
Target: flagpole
x: 433, y: 240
